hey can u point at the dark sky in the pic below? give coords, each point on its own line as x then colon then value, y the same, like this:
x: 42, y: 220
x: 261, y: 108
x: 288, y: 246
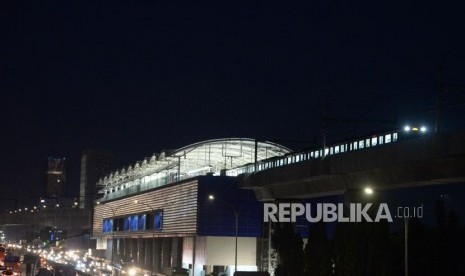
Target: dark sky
x: 137, y: 77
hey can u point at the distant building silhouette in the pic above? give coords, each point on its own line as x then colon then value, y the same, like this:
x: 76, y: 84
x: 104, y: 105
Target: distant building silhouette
x: 95, y: 164
x: 56, y: 177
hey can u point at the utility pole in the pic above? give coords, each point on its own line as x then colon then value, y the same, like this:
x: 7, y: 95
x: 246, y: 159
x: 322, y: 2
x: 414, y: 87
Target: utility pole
x: 406, y: 246
x: 325, y: 126
x: 255, y: 155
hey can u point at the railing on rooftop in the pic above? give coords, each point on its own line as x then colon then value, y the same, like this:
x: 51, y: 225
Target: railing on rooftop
x: 336, y: 149
x: 156, y: 180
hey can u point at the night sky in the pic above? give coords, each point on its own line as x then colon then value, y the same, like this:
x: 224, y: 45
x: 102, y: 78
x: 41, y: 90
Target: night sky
x: 137, y: 77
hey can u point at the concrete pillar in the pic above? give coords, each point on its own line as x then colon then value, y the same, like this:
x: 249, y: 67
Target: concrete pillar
x: 165, y: 252
x: 140, y: 251
x: 174, y: 252
x: 147, y: 253
x: 127, y: 247
x: 134, y: 249
x: 157, y: 253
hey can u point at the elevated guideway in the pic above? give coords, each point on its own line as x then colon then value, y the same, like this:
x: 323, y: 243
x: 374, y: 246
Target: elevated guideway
x: 423, y: 160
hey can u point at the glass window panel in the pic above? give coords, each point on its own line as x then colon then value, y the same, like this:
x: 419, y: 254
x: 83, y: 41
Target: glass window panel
x: 388, y: 138
x: 374, y: 141
x: 134, y: 223
x: 142, y: 222
x: 127, y: 224
x: 158, y: 220
x: 105, y: 226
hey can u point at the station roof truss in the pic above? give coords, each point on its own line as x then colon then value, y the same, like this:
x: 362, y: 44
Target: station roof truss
x: 206, y: 157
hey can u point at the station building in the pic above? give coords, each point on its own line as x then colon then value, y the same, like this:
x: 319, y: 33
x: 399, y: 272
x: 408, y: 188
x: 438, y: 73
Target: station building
x: 157, y: 213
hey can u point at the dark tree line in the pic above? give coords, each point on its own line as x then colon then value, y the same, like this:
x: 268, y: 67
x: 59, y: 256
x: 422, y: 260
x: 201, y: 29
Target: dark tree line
x: 363, y: 249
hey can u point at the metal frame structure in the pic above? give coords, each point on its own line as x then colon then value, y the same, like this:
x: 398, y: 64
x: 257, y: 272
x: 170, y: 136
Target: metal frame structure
x: 206, y: 157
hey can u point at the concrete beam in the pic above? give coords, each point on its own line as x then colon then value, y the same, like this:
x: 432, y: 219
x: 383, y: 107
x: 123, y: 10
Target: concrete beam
x: 435, y: 159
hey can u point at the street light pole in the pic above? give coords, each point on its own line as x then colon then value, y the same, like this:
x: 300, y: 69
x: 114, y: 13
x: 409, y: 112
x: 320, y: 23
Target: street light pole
x: 113, y: 211
x: 236, y: 217
x: 369, y: 191
x: 406, y: 246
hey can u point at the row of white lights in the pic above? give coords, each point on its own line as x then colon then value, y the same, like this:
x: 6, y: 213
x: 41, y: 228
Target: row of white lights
x: 35, y: 209
x: 68, y: 257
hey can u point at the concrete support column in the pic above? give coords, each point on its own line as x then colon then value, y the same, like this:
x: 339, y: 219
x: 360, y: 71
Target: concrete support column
x: 174, y: 257
x: 157, y: 253
x: 140, y: 251
x: 165, y: 252
x: 127, y: 247
x: 134, y: 249
x: 147, y: 253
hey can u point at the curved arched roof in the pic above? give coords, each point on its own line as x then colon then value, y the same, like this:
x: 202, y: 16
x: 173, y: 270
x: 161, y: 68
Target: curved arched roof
x: 219, y: 154
x: 200, y: 158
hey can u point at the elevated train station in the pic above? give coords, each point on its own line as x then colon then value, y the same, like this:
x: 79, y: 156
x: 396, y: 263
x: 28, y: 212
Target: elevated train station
x: 157, y: 214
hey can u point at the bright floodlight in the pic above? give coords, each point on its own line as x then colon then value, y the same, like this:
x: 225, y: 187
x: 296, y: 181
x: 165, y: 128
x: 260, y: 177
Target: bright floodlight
x: 407, y: 128
x: 211, y: 197
x: 136, y: 201
x: 368, y: 191
x: 132, y: 271
x: 423, y: 129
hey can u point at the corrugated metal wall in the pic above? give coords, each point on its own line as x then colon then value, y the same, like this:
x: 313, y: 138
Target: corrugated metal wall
x: 179, y: 204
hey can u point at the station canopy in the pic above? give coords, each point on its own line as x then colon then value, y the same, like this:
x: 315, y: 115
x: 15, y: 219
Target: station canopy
x: 223, y: 154
x: 206, y: 157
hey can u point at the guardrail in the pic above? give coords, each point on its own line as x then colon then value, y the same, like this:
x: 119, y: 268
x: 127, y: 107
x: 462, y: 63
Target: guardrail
x: 336, y: 149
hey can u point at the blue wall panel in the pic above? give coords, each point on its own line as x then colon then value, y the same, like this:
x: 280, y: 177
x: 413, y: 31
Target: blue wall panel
x: 216, y: 218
